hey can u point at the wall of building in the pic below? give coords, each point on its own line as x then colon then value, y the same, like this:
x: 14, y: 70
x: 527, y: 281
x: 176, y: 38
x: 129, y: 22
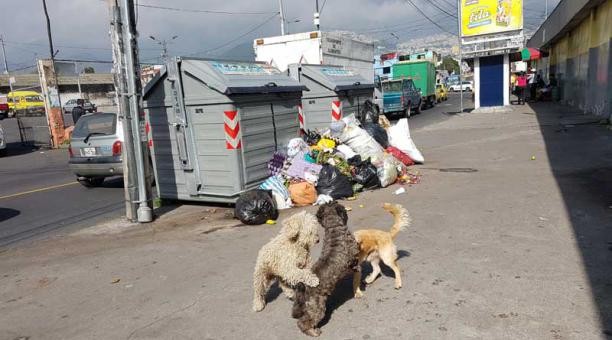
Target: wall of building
x: 580, y: 60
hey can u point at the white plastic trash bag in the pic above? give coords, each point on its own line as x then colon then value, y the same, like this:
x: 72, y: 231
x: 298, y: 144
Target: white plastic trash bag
x: 346, y: 151
x: 399, y: 137
x: 360, y: 141
x: 387, y: 170
x: 295, y: 146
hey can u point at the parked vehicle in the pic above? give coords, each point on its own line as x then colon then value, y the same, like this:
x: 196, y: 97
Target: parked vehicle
x: 2, y: 142
x: 400, y: 97
x: 441, y: 93
x: 4, y: 108
x: 316, y: 47
x: 96, y: 148
x: 87, y: 106
x: 27, y: 103
x: 466, y: 85
x: 423, y: 74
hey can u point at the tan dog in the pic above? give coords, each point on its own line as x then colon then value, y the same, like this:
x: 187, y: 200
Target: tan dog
x: 286, y: 258
x: 376, y: 245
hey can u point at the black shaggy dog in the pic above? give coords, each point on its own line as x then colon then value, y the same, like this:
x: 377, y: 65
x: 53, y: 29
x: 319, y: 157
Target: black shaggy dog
x: 338, y: 259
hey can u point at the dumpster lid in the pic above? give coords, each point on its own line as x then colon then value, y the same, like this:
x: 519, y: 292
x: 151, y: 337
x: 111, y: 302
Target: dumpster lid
x: 336, y: 78
x: 238, y: 77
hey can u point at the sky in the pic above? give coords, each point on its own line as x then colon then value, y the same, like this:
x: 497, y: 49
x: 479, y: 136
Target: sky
x: 80, y: 27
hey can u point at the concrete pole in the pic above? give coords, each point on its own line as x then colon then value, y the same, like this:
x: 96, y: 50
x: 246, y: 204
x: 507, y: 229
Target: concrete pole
x: 282, y: 16
x: 52, y: 55
x: 78, y: 75
x: 128, y: 88
x: 134, y: 87
x: 6, y: 70
x: 460, y: 59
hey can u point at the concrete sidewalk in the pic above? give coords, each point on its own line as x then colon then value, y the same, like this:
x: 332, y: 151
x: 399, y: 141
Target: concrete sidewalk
x: 503, y: 246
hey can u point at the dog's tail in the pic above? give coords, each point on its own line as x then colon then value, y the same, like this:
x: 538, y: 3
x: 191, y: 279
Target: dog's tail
x: 401, y: 217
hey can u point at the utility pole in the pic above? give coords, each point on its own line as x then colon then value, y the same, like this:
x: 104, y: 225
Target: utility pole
x: 282, y: 16
x: 6, y: 70
x: 4, y: 55
x: 129, y: 89
x: 78, y: 74
x: 460, y: 58
x: 164, y: 45
x: 316, y: 16
x: 52, y: 54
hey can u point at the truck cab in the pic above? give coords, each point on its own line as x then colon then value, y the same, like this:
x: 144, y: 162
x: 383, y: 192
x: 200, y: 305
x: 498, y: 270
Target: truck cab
x: 400, y: 97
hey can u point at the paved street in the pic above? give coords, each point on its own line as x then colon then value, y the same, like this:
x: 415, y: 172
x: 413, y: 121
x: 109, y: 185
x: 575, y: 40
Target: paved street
x: 510, y: 240
x: 40, y: 197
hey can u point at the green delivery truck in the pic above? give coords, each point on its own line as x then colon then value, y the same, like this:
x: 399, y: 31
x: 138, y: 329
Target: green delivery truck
x: 423, y: 74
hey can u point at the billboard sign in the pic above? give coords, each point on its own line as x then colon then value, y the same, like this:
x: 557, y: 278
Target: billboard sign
x: 480, y: 17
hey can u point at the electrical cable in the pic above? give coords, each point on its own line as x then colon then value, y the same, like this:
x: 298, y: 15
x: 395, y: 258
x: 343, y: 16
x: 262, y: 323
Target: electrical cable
x: 429, y: 19
x: 176, y: 9
x: 238, y: 37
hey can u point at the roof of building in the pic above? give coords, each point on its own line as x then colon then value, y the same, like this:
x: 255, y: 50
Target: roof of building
x: 567, y: 15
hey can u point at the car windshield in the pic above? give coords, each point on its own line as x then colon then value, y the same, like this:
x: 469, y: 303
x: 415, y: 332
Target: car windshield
x: 99, y: 123
x: 391, y: 86
x: 33, y: 99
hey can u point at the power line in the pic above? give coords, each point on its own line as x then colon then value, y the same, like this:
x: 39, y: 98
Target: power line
x: 176, y: 9
x: 431, y: 2
x: 322, y: 6
x: 238, y: 37
x: 428, y: 18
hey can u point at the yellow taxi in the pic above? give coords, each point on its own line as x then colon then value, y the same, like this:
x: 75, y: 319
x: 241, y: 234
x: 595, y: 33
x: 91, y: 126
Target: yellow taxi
x: 441, y: 93
x: 25, y: 102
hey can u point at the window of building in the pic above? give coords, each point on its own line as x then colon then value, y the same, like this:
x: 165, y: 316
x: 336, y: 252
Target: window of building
x: 387, y: 70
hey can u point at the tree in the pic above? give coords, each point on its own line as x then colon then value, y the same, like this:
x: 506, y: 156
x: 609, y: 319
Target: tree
x: 449, y: 64
x: 89, y: 69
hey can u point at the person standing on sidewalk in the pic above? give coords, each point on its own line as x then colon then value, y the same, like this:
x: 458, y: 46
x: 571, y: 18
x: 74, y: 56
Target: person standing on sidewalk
x: 531, y: 79
x: 78, y: 110
x: 521, y: 85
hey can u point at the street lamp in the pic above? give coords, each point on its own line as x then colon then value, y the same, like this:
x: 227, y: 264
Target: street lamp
x: 164, y: 45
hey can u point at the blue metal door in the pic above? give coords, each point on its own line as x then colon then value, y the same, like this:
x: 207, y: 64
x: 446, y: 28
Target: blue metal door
x: 492, y: 81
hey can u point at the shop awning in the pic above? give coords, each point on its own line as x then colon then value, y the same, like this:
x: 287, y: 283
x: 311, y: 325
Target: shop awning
x: 530, y: 53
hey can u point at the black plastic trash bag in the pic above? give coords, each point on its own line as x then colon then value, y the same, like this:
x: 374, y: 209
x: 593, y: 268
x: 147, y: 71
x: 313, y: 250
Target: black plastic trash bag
x: 311, y: 137
x: 333, y: 183
x: 368, y: 113
x: 378, y: 132
x: 256, y: 207
x: 354, y: 161
x: 366, y: 174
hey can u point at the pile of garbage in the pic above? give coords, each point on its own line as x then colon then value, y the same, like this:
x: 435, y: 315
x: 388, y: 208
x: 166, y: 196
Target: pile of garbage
x: 355, y: 154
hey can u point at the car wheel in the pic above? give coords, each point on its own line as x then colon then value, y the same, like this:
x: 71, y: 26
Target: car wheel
x: 2, y: 152
x: 90, y: 182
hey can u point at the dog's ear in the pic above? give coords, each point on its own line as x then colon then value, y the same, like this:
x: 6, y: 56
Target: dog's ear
x: 291, y: 227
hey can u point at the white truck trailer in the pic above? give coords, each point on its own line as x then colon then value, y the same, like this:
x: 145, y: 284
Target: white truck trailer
x: 316, y: 47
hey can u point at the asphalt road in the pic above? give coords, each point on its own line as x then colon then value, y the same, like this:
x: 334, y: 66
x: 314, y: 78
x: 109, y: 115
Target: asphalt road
x: 39, y: 196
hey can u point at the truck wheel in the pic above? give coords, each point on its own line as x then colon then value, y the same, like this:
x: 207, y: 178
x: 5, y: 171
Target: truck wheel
x: 418, y: 108
x: 407, y: 112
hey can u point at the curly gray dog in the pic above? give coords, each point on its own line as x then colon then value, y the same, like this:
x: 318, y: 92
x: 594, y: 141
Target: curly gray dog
x: 339, y: 258
x: 286, y: 258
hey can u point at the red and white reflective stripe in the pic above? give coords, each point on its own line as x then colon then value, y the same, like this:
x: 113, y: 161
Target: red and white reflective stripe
x: 336, y: 111
x: 301, y: 116
x: 147, y: 129
x: 233, y: 135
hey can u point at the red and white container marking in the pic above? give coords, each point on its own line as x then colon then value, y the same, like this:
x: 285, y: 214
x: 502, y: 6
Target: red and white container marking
x: 336, y: 111
x: 233, y: 135
x: 301, y: 117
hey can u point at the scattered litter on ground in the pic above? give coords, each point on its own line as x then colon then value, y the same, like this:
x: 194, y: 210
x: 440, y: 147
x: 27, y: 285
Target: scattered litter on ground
x: 271, y: 222
x: 115, y: 280
x: 400, y: 191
